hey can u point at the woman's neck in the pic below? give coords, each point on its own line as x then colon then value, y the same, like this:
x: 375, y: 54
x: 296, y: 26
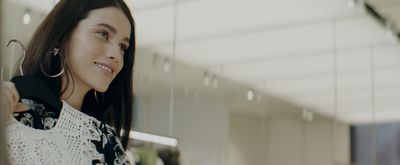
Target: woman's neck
x: 74, y: 95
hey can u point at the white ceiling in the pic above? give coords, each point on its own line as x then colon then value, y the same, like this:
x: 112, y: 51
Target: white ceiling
x: 285, y: 48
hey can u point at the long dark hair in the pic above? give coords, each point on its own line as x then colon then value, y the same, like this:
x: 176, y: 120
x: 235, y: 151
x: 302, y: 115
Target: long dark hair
x: 114, y: 106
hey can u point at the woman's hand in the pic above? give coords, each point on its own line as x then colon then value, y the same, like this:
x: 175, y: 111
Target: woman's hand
x: 9, y: 99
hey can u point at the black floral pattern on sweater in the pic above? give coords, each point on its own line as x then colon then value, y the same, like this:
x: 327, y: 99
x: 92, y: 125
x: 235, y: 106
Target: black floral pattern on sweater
x: 40, y: 117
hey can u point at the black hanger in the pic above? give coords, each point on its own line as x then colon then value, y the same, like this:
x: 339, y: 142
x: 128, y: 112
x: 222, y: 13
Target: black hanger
x: 34, y: 88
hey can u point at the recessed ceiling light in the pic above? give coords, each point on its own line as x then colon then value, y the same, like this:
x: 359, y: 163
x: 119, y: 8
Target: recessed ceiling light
x: 351, y: 4
x: 26, y: 19
x: 250, y: 95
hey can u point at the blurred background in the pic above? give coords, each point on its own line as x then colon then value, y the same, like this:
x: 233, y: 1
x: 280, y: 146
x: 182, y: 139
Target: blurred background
x: 256, y: 82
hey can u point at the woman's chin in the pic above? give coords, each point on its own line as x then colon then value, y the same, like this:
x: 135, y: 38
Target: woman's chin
x: 101, y: 89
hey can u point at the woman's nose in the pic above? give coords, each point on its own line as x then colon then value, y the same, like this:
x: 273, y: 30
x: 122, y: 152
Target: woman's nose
x: 114, y: 52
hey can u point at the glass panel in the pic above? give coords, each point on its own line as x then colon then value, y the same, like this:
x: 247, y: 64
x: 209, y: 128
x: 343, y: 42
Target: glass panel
x: 153, y: 67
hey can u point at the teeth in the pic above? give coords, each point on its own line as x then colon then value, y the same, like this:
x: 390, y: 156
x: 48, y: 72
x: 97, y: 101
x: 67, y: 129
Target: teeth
x: 104, y: 67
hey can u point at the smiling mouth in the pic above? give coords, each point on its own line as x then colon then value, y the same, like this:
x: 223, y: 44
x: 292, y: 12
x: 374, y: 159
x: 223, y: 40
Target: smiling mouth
x: 107, y: 70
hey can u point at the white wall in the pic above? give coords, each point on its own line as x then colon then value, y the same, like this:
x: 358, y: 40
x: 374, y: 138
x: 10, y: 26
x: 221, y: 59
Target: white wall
x: 220, y: 127
x: 287, y: 140
x: 210, y: 135
x: 13, y: 28
x: 200, y: 125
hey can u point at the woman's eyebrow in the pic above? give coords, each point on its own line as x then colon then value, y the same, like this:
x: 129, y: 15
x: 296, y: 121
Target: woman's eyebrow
x: 109, y: 27
x: 113, y: 30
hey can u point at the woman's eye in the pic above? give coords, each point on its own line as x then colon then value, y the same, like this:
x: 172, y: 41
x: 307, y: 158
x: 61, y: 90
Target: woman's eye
x: 123, y: 47
x: 103, y: 34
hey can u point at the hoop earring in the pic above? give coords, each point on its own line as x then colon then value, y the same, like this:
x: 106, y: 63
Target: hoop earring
x: 55, y: 52
x: 23, y: 56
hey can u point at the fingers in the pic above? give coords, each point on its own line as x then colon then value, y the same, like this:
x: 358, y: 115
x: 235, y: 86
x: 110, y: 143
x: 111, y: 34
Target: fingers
x: 20, y: 107
x: 7, y: 96
x: 14, y: 91
x: 11, y: 94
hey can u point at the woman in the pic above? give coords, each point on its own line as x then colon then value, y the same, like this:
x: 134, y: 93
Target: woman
x: 84, y: 53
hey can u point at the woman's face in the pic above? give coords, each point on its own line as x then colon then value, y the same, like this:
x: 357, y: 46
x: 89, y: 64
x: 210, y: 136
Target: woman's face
x: 95, y: 50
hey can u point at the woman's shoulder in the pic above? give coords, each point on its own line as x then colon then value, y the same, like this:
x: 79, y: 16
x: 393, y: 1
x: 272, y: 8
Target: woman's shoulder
x: 38, y: 115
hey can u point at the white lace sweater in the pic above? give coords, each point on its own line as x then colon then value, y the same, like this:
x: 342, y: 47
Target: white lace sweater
x: 74, y: 138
